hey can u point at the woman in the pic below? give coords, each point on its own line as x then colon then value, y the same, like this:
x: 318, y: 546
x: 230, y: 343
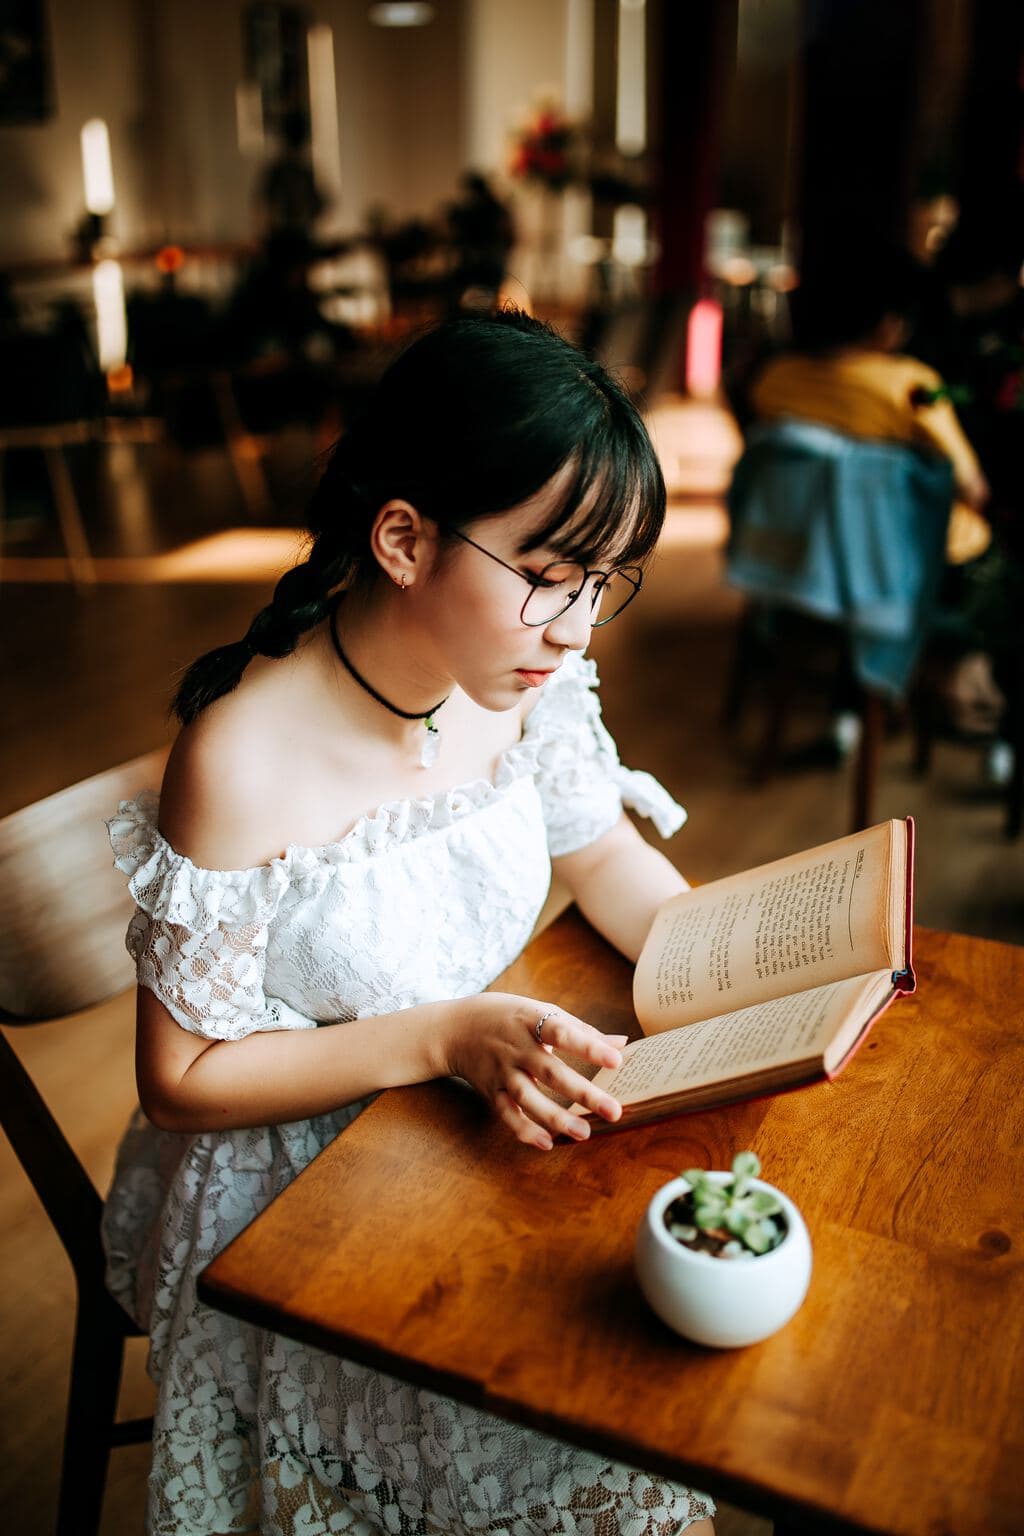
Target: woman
x: 356, y: 828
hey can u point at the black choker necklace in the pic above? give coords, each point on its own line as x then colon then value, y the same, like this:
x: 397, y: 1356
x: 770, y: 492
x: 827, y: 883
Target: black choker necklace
x: 432, y: 745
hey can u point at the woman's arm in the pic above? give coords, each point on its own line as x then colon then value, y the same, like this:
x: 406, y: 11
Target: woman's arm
x: 222, y: 808
x: 619, y: 882
x: 188, y: 1083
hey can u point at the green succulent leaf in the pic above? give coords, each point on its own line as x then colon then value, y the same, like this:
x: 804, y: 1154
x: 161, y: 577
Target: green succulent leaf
x: 758, y: 1236
x: 708, y: 1216
x: 736, y: 1206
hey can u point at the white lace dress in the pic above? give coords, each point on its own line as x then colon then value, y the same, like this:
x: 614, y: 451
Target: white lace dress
x: 424, y: 900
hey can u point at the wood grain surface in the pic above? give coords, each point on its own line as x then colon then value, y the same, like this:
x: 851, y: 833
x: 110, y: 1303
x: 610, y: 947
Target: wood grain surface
x: 64, y: 907
x: 423, y: 1241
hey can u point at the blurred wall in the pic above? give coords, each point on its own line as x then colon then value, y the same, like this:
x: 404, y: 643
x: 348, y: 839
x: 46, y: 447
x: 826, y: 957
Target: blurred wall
x: 400, y: 99
x: 163, y: 73
x: 759, y: 148
x: 95, y: 72
x: 513, y: 53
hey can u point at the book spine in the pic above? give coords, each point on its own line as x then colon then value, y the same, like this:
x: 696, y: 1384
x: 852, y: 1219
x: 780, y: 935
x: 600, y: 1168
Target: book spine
x: 905, y: 980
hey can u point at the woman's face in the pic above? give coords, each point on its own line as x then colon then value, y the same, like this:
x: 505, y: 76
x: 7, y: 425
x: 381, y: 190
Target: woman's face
x: 472, y: 605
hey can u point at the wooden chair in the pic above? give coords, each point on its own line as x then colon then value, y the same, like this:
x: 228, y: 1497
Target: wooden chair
x: 931, y: 723
x: 63, y: 914
x: 51, y: 398
x: 801, y: 657
x: 839, y: 545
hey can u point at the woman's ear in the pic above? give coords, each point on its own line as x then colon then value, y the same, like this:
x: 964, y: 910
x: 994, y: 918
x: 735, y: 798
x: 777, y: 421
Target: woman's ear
x: 402, y: 542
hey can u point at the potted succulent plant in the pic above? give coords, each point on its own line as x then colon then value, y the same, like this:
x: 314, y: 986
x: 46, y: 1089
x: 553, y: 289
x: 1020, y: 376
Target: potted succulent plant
x: 722, y: 1257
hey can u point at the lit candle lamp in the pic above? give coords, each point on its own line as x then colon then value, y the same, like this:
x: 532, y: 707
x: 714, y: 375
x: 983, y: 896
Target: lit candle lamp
x: 111, y: 320
x: 325, y: 152
x: 97, y: 170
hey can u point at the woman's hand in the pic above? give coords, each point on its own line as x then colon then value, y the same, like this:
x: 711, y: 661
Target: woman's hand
x: 492, y: 1043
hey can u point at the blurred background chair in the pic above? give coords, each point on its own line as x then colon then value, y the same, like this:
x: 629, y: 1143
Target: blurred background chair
x: 839, y: 545
x: 63, y: 914
x: 51, y: 395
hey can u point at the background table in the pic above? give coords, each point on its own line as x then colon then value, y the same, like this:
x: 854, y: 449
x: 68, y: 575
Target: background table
x: 425, y: 1242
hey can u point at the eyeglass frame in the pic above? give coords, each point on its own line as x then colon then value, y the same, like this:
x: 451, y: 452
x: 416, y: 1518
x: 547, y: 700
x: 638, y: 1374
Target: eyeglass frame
x: 534, y: 583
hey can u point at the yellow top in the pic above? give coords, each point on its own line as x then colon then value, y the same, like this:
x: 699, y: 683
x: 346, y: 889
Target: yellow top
x: 869, y: 394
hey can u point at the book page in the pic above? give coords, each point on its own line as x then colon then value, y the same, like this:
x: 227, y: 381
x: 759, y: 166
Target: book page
x: 747, y: 1041
x: 800, y: 922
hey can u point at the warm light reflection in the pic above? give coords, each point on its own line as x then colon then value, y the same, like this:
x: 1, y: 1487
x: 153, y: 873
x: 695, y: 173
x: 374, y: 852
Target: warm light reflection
x: 631, y: 83
x: 704, y: 348
x: 238, y: 555
x: 170, y: 259
x: 401, y: 13
x: 579, y: 58
x: 97, y: 169
x: 252, y: 139
x: 629, y: 235
x: 692, y: 527
x: 121, y: 381
x: 324, y: 149
x: 587, y: 249
x: 740, y: 271
x: 513, y: 292
x: 111, y: 321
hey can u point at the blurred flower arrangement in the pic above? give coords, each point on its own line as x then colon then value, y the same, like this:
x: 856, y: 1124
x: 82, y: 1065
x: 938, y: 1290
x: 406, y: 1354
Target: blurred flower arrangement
x: 548, y: 149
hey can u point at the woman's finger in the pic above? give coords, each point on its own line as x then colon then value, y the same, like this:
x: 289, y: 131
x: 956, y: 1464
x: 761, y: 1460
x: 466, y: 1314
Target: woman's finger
x: 551, y: 1117
x: 564, y: 1032
x: 522, y: 1127
x: 561, y: 1079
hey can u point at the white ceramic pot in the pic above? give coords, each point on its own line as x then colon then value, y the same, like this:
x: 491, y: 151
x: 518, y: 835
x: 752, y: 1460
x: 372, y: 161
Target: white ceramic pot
x: 723, y: 1302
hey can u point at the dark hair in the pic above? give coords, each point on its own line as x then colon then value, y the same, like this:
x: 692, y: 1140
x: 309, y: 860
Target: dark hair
x: 985, y: 244
x: 473, y: 418
x: 845, y: 299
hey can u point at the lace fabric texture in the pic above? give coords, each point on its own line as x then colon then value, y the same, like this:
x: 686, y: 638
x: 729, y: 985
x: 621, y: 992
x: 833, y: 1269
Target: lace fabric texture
x: 424, y: 900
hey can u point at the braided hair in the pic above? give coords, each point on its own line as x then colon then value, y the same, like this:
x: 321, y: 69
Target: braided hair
x: 474, y: 418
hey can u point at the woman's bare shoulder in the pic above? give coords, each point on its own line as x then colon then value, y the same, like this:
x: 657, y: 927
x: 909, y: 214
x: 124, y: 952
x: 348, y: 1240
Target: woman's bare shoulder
x: 224, y: 782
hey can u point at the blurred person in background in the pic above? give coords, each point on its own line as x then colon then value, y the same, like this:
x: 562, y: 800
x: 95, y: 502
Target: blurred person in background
x: 847, y: 371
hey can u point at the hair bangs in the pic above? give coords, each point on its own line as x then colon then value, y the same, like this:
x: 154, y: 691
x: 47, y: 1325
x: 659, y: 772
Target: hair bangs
x: 613, y: 507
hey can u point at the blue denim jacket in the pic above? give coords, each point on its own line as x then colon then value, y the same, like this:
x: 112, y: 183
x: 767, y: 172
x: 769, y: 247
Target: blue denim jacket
x: 848, y: 529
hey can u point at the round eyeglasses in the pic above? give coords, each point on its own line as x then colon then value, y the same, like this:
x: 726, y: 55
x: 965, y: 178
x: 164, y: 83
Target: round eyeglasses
x: 555, y: 588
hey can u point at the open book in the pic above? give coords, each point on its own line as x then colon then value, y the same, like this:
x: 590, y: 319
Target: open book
x: 768, y: 979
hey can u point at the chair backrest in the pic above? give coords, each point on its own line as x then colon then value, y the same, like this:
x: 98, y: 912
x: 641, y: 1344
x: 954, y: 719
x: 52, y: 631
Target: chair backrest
x: 847, y: 530
x: 63, y: 914
x: 64, y: 908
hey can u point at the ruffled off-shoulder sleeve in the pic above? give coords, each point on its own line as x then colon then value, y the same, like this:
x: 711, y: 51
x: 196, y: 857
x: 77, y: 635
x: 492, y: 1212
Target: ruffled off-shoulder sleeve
x: 199, y: 936
x: 582, y: 784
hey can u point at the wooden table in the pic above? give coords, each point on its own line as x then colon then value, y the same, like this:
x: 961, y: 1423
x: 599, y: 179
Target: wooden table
x: 425, y: 1242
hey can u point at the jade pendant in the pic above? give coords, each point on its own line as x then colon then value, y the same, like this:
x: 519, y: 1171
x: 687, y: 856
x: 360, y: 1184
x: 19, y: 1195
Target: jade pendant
x: 431, y: 744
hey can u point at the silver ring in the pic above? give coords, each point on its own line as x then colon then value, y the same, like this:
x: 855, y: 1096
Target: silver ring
x: 541, y: 1022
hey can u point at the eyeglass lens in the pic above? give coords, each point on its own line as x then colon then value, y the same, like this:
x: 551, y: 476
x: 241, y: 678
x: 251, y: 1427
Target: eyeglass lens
x: 559, y: 584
